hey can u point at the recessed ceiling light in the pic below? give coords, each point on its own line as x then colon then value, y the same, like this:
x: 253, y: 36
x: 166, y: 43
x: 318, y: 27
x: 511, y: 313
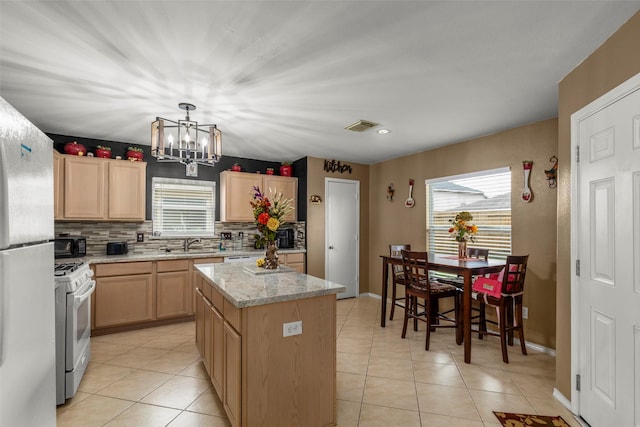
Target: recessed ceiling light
x: 383, y: 131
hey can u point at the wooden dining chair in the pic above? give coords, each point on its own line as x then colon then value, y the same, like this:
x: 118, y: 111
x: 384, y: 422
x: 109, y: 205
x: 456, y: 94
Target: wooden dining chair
x: 397, y: 278
x: 478, y: 315
x: 479, y: 253
x: 418, y: 285
x: 508, y: 304
x: 477, y: 312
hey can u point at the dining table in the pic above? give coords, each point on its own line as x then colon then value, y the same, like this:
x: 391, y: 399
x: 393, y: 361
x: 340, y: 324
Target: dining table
x: 445, y: 263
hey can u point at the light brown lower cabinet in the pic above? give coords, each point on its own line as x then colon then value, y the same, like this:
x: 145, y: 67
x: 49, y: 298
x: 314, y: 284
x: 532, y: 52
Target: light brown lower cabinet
x: 123, y: 300
x: 174, y: 290
x: 141, y: 293
x: 231, y: 395
x: 125, y: 294
x: 217, y: 351
x: 261, y: 377
x: 295, y: 261
x: 199, y: 299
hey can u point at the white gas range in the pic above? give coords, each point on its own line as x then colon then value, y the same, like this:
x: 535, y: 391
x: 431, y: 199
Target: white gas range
x: 74, y: 286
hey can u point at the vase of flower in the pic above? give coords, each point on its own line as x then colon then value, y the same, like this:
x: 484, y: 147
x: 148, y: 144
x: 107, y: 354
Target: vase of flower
x: 462, y: 250
x: 463, y: 230
x: 269, y: 213
x: 271, y: 256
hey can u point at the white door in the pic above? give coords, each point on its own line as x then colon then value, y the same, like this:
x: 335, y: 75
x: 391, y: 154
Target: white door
x: 607, y: 247
x: 342, y: 222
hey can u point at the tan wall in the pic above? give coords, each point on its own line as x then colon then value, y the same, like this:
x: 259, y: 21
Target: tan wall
x: 315, y: 216
x: 534, y: 224
x: 611, y: 64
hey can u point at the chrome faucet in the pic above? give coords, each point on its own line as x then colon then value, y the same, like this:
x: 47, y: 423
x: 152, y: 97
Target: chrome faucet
x: 188, y: 242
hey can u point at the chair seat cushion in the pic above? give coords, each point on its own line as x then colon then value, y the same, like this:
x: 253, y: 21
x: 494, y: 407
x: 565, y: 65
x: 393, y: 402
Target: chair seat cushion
x: 437, y: 287
x: 488, y: 286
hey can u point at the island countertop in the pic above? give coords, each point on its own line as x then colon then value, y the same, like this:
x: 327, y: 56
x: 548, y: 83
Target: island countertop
x: 243, y: 288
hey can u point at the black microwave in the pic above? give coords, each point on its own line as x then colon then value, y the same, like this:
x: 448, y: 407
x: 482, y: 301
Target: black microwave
x: 70, y: 246
x: 285, y: 238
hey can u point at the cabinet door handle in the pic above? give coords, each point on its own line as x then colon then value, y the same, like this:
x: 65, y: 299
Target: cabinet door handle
x: 330, y: 247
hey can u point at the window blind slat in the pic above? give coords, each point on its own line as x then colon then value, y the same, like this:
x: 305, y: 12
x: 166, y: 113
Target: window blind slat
x: 487, y: 196
x: 183, y: 208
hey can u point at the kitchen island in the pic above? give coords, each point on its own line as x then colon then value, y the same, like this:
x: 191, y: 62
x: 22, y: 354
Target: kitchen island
x: 268, y: 342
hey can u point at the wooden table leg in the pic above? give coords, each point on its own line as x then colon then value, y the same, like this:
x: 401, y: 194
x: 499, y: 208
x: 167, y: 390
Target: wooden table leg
x: 385, y: 279
x: 466, y: 315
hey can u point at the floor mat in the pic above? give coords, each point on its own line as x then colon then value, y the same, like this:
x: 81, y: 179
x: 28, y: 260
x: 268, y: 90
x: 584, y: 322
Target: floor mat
x: 526, y: 420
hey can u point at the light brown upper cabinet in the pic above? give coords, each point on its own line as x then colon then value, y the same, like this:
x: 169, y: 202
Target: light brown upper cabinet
x: 288, y: 186
x: 127, y: 190
x: 84, y: 188
x: 103, y: 189
x: 236, y: 193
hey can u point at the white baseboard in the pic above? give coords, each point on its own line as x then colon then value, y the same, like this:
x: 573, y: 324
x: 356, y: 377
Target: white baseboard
x: 538, y: 347
x: 560, y: 398
x: 567, y: 404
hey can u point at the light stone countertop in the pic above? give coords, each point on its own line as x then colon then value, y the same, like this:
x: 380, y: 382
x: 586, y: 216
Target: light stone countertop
x: 245, y: 289
x: 161, y: 255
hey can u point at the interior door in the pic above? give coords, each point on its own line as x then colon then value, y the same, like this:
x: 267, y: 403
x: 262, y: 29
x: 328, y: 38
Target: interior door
x: 342, y: 222
x: 608, y: 251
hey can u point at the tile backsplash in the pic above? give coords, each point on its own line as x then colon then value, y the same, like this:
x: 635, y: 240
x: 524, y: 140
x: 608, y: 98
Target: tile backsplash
x: 98, y: 234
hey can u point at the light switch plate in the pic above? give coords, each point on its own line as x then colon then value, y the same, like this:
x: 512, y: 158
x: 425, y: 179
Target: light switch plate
x: 292, y: 328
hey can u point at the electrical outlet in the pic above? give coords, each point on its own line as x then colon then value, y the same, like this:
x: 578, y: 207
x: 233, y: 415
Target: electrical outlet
x: 140, y: 237
x: 292, y: 328
x: 240, y: 234
x: 525, y: 312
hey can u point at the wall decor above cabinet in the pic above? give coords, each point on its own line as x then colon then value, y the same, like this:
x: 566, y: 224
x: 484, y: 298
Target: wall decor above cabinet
x: 337, y: 166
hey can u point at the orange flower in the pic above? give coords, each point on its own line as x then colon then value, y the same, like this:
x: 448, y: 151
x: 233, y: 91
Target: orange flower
x: 263, y: 218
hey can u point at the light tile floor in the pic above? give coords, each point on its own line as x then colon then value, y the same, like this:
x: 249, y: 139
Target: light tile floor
x: 153, y: 377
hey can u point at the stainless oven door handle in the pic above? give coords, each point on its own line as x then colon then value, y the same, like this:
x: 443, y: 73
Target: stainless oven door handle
x: 78, y: 299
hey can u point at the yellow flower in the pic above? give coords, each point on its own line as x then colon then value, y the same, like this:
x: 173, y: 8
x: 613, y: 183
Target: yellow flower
x: 260, y: 262
x: 273, y: 224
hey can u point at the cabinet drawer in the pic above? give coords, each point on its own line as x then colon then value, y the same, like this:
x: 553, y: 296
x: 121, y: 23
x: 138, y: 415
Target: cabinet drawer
x: 173, y: 265
x: 297, y: 257
x: 232, y: 315
x: 217, y: 299
x: 206, y: 288
x: 123, y: 268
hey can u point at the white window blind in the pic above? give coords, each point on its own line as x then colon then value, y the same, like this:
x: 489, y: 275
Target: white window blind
x: 183, y: 208
x: 486, y: 195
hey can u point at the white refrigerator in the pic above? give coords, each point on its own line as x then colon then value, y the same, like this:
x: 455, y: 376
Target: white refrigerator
x: 27, y: 337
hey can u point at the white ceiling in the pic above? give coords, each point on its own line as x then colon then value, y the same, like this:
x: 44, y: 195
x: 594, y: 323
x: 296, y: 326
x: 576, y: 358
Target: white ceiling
x: 283, y: 78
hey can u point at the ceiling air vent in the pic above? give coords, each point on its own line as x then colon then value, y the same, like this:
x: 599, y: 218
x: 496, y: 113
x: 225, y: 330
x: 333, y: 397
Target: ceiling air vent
x: 361, y: 126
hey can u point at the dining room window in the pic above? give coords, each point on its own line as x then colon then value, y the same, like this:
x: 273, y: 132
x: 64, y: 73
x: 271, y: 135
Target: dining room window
x: 183, y: 208
x: 486, y: 195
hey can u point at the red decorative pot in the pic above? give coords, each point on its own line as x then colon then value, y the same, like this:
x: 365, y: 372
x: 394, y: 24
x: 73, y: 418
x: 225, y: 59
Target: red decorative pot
x: 75, y: 149
x: 135, y: 155
x: 269, y: 171
x: 236, y: 168
x: 102, y: 153
x: 285, y: 170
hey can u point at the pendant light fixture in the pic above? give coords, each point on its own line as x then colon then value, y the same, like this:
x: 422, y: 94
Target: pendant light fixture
x: 185, y: 141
